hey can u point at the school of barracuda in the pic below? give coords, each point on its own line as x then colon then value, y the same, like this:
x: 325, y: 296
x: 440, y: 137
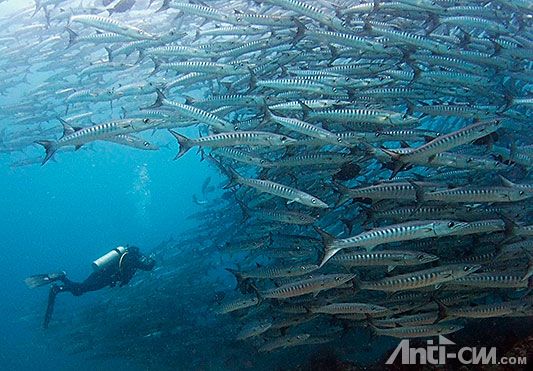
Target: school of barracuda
x: 377, y: 153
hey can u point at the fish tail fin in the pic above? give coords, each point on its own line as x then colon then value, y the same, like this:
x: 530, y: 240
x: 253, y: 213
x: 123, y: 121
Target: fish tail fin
x: 157, y: 66
x: 257, y: 292
x: 184, y: 143
x: 305, y: 109
x: 442, y: 312
x: 253, y: 79
x: 234, y: 178
x: 300, y: 31
x: 237, y: 274
x: 327, y: 241
x: 344, y: 193
x: 159, y: 100
x: 368, y: 214
x: 164, y: 6
x: 348, y: 223
x: 140, y: 57
x: 244, y: 208
x: 397, y: 163
x: 189, y: 100
x: 197, y: 35
x: 419, y: 192
x: 72, y: 37
x: 109, y: 53
x: 509, y: 224
x: 266, y: 118
x: 49, y: 147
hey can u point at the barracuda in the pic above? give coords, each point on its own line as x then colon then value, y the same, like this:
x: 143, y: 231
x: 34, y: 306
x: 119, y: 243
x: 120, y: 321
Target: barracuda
x: 241, y: 156
x: 237, y: 304
x: 112, y: 25
x: 254, y: 329
x: 231, y: 139
x: 419, y: 279
x: 276, y: 272
x: 284, y: 342
x: 385, y: 191
x: 504, y: 309
x: 193, y: 113
x: 312, y: 285
x: 317, y: 159
x: 305, y: 128
x: 475, y: 195
x: 362, y: 115
x: 419, y: 331
x: 104, y: 131
x: 276, y: 189
x: 443, y: 143
x: 392, y: 233
x: 349, y: 308
x: 391, y: 258
x: 493, y: 280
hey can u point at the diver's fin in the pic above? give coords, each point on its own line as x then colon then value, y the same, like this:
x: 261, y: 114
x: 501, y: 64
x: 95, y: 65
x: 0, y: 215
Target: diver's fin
x: 39, y: 280
x: 54, y: 290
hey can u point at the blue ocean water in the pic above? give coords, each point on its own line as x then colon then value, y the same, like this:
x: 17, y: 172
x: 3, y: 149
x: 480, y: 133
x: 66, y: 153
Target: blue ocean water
x: 66, y: 215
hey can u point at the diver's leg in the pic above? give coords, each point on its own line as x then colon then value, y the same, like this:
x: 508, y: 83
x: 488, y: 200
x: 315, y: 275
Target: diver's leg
x: 75, y: 288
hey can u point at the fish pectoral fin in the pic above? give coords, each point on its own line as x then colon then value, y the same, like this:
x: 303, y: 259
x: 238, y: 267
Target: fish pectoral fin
x: 390, y: 268
x: 78, y: 146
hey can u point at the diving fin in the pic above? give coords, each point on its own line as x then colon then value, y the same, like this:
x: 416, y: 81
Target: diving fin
x: 39, y: 280
x: 54, y: 290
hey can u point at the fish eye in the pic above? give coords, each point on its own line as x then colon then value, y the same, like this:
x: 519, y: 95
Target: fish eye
x: 146, y: 121
x: 339, y: 139
x: 146, y: 144
x: 236, y: 127
x: 404, y: 116
x: 521, y: 193
x: 337, y: 278
x: 451, y: 224
x: 283, y: 138
x: 313, y: 201
x: 466, y: 268
x: 303, y: 267
x: 334, y: 89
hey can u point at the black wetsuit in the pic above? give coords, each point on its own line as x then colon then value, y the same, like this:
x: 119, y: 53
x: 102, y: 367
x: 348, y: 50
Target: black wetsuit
x: 110, y: 276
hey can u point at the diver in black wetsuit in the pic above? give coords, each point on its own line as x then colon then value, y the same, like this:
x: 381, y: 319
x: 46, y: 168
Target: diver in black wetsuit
x: 116, y: 267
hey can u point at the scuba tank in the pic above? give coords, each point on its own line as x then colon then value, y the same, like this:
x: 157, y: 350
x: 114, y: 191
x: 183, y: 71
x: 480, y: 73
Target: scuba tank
x: 109, y: 259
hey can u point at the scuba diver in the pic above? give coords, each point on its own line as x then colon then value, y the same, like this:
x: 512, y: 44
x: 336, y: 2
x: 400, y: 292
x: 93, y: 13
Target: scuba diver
x: 117, y: 266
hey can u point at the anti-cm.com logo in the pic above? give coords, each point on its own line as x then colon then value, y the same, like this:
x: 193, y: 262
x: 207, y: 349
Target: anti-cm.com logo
x: 438, y: 354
